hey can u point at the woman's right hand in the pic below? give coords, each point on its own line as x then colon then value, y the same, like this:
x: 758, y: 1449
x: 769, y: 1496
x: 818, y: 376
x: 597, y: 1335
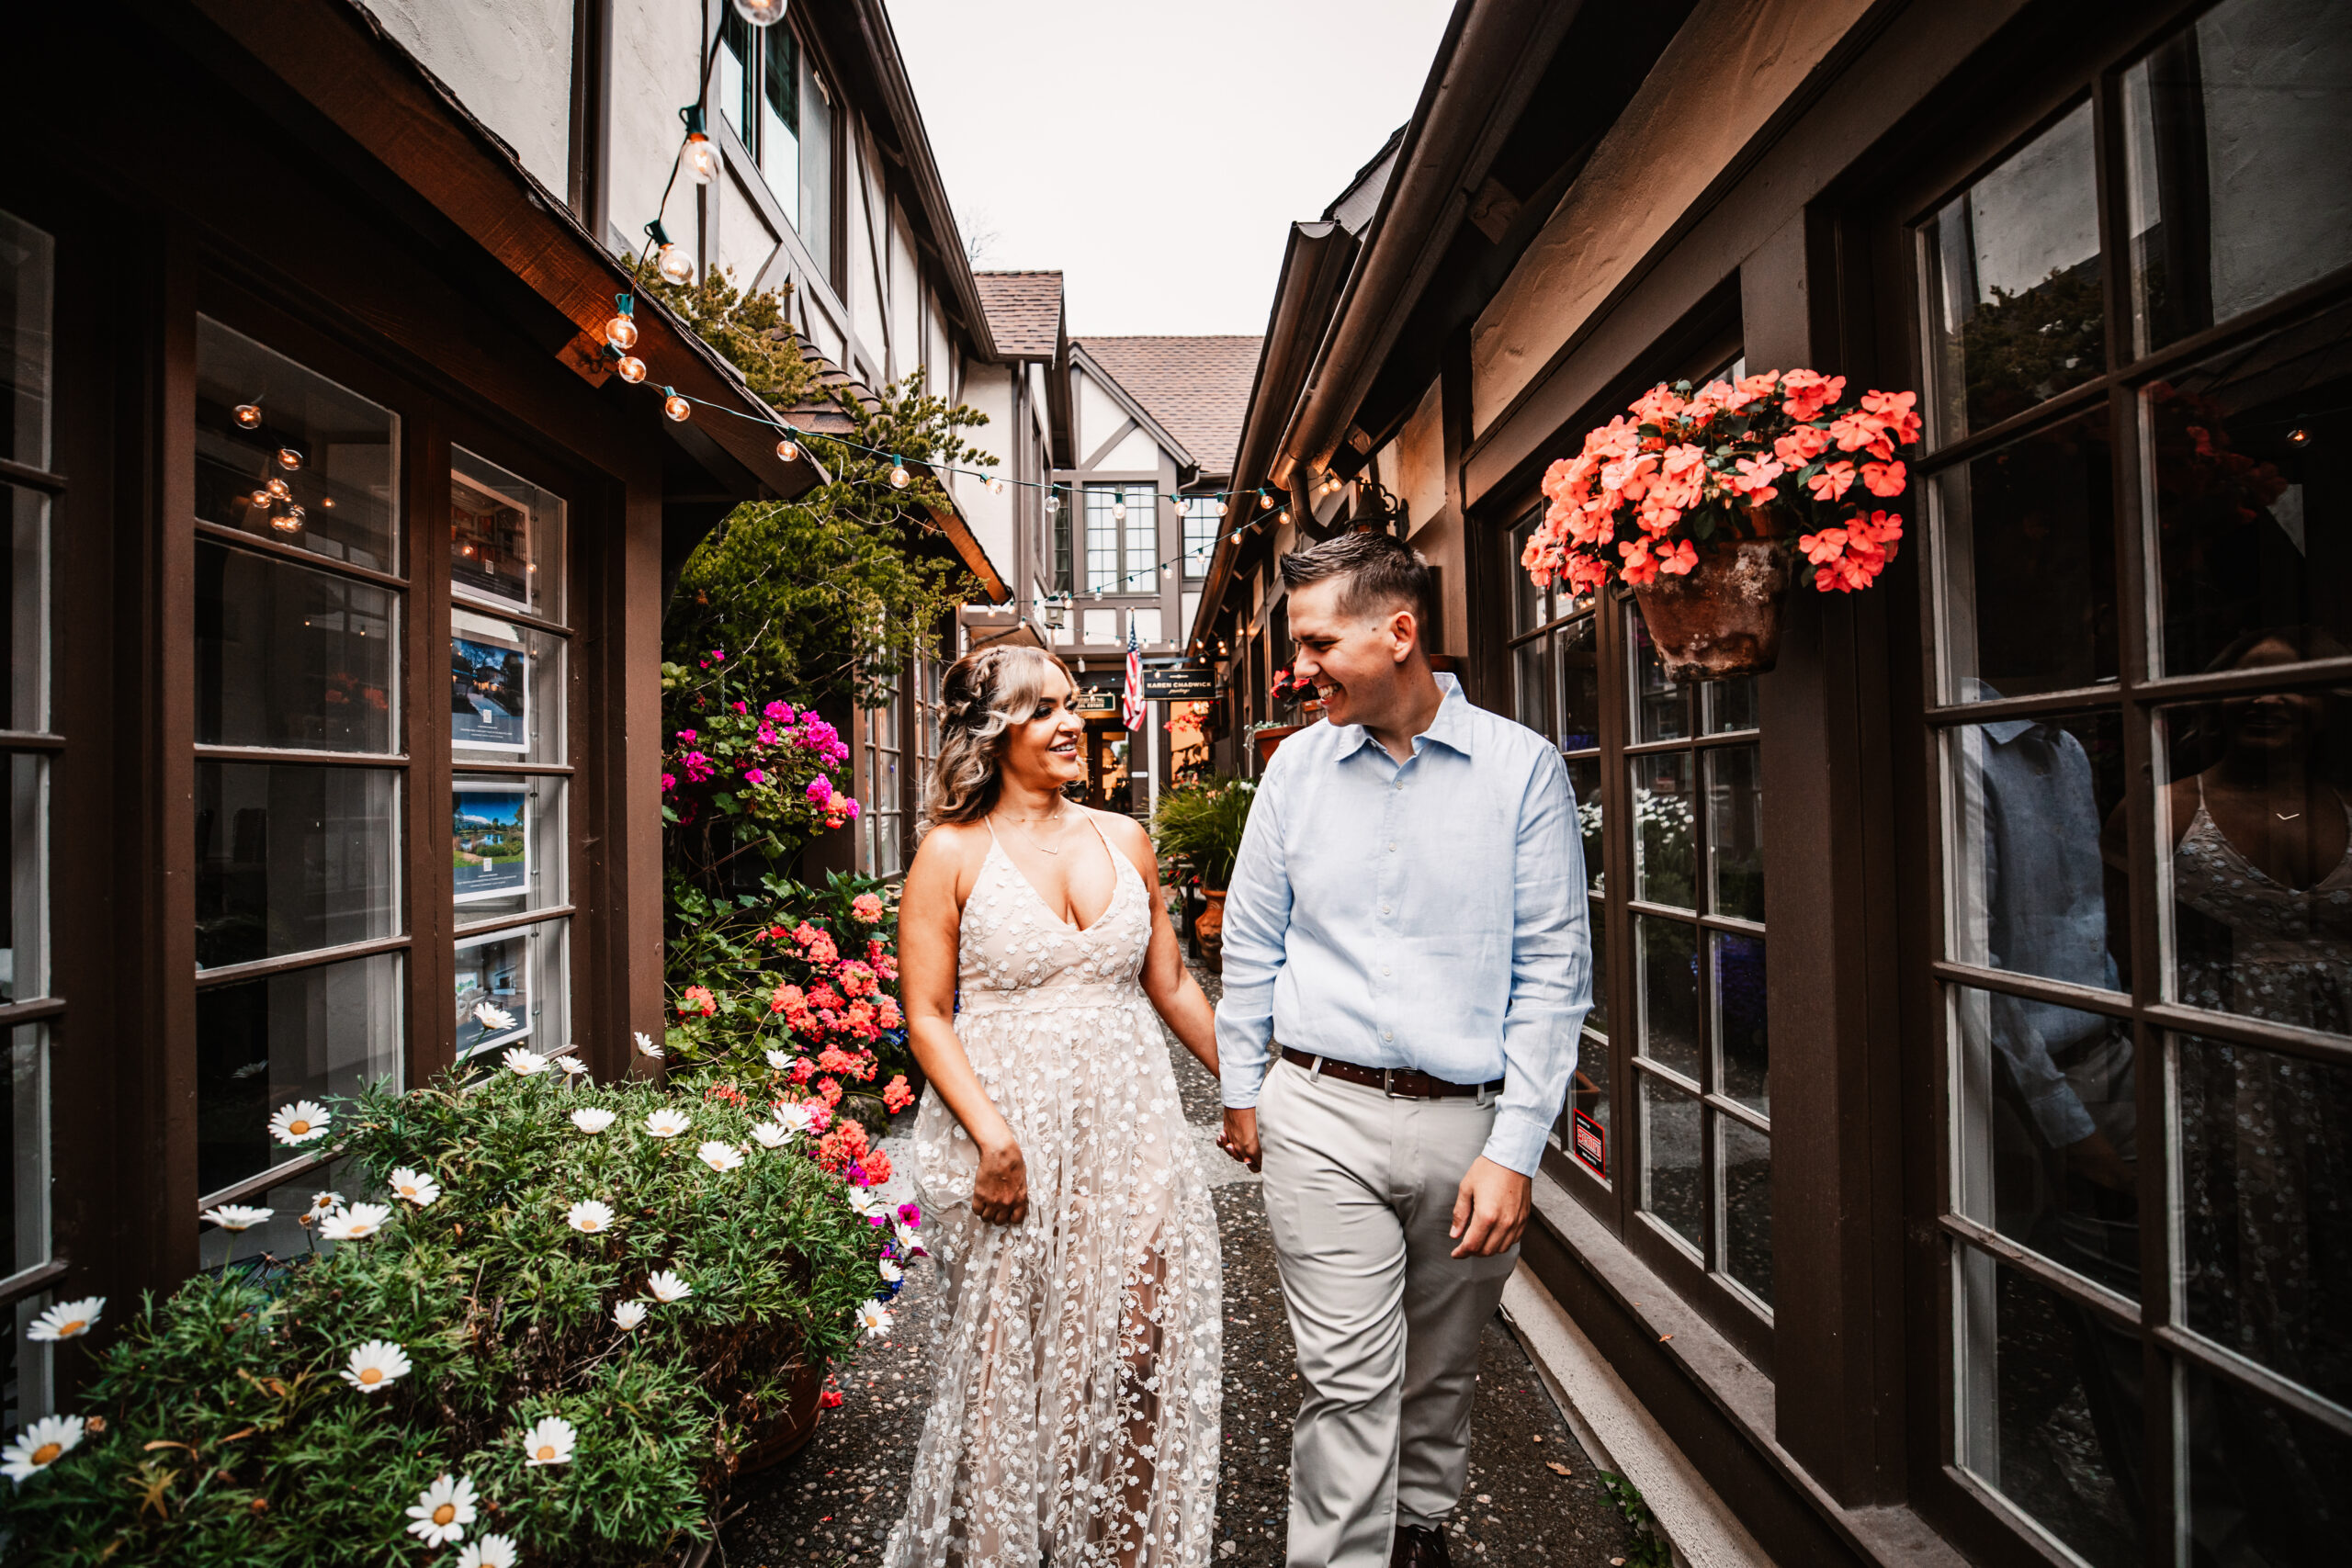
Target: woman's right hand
x: 1001, y: 1191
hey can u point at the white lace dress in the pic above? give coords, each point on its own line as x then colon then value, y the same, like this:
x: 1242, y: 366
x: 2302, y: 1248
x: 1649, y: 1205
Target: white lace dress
x: 1074, y: 1417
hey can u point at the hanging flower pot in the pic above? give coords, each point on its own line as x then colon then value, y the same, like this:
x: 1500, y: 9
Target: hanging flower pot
x: 1701, y: 501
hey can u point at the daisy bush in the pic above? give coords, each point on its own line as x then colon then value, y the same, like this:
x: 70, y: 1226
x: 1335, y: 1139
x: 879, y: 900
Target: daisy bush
x: 564, y: 1313
x: 1685, y: 467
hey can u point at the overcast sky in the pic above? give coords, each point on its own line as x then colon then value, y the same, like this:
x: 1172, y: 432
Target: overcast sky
x: 1157, y: 154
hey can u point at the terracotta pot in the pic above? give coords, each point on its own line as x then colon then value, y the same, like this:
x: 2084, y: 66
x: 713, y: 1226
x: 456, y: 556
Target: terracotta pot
x: 1723, y: 618
x: 1208, y: 931
x: 789, y: 1430
x: 1267, y: 740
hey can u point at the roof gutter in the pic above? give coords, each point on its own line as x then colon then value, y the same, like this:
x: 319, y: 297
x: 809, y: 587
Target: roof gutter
x: 1492, y: 53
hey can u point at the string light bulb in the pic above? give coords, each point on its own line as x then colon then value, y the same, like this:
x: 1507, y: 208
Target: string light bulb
x: 899, y: 477
x: 621, y: 331
x: 631, y: 369
x: 701, y: 158
x: 675, y: 263
x: 1282, y: 518
x: 676, y: 407
x: 288, y: 459
x: 2297, y: 437
x: 248, y: 414
x: 761, y: 13
x: 262, y: 498
x: 996, y: 485
x: 289, y: 521
x: 278, y: 489
x: 1264, y: 499
x: 1217, y: 507
x: 788, y: 449
x: 1119, y: 508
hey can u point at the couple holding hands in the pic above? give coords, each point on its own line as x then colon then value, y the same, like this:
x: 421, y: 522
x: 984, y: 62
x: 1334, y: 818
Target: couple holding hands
x: 1408, y: 965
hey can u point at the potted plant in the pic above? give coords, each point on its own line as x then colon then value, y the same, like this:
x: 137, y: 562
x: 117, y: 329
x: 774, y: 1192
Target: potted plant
x: 1701, y: 502
x: 1197, y: 828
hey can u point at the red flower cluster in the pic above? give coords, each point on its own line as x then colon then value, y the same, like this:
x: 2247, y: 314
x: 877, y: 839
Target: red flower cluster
x: 1688, y: 466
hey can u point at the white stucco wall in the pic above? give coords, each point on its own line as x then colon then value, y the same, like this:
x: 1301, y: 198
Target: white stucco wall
x: 1730, y: 67
x: 1096, y: 414
x: 656, y: 52
x: 1135, y: 454
x: 988, y: 387
x: 867, y: 260
x: 508, y: 61
x: 1420, y: 461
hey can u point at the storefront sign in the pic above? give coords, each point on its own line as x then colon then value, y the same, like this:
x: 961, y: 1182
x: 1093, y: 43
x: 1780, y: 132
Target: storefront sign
x: 1090, y: 703
x: 1178, y: 684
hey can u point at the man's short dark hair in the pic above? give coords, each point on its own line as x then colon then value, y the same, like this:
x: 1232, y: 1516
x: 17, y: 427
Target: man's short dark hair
x: 1378, y: 571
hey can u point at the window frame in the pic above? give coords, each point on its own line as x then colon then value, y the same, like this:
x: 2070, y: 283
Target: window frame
x: 740, y: 129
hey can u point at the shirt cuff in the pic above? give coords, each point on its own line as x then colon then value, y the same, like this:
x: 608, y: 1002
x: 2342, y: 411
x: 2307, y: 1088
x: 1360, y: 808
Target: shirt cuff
x: 2058, y: 1113
x: 1239, y: 1088
x: 1517, y: 1141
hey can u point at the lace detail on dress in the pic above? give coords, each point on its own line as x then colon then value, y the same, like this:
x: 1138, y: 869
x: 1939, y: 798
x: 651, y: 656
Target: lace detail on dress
x: 1074, y: 1418
x: 2272, y: 951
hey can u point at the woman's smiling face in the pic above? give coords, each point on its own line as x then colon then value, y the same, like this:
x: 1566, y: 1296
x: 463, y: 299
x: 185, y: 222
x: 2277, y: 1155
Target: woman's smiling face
x: 1041, y: 746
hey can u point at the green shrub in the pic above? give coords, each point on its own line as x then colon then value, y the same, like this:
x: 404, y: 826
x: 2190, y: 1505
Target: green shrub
x: 1199, y: 825
x: 231, y: 1434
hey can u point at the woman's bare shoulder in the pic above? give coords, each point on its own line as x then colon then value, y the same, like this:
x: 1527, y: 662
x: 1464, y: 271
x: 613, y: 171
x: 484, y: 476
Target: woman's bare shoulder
x: 950, y: 845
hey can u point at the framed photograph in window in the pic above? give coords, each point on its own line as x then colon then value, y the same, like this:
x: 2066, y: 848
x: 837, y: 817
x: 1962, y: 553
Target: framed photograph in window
x: 490, y: 689
x: 489, y: 838
x: 489, y: 542
x: 494, y: 992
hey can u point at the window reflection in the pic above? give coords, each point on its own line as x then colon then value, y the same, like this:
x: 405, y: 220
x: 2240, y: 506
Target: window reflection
x: 1671, y: 1188
x: 2267, y: 1488
x: 2013, y: 269
x: 2034, y: 887
x: 1669, y: 981
x: 2260, y: 831
x: 2252, y: 522
x: 286, y: 655
x: 1744, y: 1161
x: 1576, y: 661
x: 289, y: 858
x: 263, y: 1044
x: 1664, y: 813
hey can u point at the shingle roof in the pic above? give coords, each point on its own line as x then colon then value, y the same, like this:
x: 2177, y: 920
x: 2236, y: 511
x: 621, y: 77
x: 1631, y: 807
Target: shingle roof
x: 1024, y: 310
x: 1196, y: 387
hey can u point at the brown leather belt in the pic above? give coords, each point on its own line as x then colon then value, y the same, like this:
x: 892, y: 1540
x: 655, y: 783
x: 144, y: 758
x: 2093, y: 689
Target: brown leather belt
x: 1397, y: 1083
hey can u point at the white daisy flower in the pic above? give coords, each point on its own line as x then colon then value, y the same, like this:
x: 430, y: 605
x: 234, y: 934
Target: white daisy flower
x: 589, y: 1216
x: 356, y: 1222
x: 488, y: 1552
x: 549, y: 1442
x: 908, y: 1243
x: 667, y: 1124
x: 326, y: 1202
x: 416, y: 1187
x: 591, y: 1118
x: 443, y: 1510
x: 236, y: 1216
x: 780, y: 1060
x: 667, y: 1286
x: 644, y: 1044
x: 39, y: 1445
x: 66, y: 1320
x: 862, y: 1201
x: 493, y: 1018
x: 771, y: 1136
x: 891, y: 1272
x: 524, y: 1063
x: 572, y: 1066
x: 793, y: 1118
x: 874, y: 1318
x: 376, y: 1366
x: 301, y: 1122
x: 720, y: 1157
x: 628, y: 1315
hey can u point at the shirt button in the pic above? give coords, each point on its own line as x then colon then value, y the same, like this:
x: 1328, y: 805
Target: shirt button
x: 1384, y: 908
x: 1388, y: 1034
x: 1383, y: 969
x: 1392, y: 849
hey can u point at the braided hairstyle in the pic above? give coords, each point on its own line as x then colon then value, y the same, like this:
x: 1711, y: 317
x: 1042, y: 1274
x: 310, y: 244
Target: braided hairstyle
x: 985, y: 693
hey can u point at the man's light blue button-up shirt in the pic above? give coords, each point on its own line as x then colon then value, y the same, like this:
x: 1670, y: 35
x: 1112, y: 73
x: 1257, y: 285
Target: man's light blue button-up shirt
x: 1425, y: 914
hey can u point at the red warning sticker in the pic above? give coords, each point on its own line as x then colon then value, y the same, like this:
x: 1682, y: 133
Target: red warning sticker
x: 1591, y: 1146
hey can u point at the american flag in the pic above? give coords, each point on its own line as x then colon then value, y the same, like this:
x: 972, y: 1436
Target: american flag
x: 1131, y: 711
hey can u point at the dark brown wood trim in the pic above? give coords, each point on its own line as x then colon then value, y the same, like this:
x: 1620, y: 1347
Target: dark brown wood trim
x: 458, y: 764
x: 497, y: 611
x: 2237, y: 1029
x: 14, y: 472
x: 2016, y: 982
x: 30, y: 740
x: 32, y: 1011
x: 312, y: 759
x: 255, y: 1185
x: 2223, y: 1362
x: 2119, y: 1310
x: 261, y: 968
x: 470, y: 930
x: 237, y: 538
x: 30, y: 1281
x: 430, y: 886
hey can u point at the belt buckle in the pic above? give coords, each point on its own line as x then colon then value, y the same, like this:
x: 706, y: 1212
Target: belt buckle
x: 1387, y: 1083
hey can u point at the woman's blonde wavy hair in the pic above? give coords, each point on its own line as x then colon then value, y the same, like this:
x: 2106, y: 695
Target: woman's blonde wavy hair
x: 985, y: 694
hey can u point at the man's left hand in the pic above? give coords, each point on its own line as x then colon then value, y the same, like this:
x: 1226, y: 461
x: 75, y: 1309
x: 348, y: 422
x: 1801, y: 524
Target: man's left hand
x: 1490, y: 1209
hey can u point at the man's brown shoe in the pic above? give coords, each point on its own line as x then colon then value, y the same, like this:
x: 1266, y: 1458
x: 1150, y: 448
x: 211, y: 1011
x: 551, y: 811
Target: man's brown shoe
x: 1418, y: 1547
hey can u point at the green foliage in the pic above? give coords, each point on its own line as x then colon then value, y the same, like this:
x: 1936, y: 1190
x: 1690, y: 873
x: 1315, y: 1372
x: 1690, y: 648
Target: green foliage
x: 1198, y: 827
x: 751, y: 332
x: 229, y: 1436
x: 2021, y: 348
x: 1650, y: 1548
x: 736, y: 773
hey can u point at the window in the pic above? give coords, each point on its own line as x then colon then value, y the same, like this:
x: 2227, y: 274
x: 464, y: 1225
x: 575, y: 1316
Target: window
x: 1057, y: 523
x: 930, y: 675
x: 27, y: 273
x: 2137, y: 553
x: 302, y: 938
x: 771, y: 96
x: 1121, y: 538
x: 882, y: 811
x: 1204, y: 519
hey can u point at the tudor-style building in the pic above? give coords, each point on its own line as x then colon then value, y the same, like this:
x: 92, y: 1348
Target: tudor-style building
x: 1960, y: 1154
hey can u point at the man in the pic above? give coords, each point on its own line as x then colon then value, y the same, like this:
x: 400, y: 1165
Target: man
x: 1407, y: 928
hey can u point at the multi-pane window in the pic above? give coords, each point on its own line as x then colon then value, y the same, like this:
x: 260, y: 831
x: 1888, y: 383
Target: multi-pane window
x: 882, y: 814
x: 27, y: 273
x: 2140, y: 597
x: 782, y: 111
x: 1204, y: 518
x: 1121, y: 538
x: 301, y: 615
x: 930, y: 674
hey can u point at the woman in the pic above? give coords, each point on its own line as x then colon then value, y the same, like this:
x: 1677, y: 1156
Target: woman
x: 1075, y: 1416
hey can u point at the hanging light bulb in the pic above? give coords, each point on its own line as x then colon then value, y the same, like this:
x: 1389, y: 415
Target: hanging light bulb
x: 1119, y: 508
x: 328, y: 501
x: 288, y: 459
x: 631, y: 369
x: 1051, y: 501
x: 2299, y: 436
x: 675, y: 265
x: 261, y: 497
x: 996, y: 485
x: 899, y: 477
x: 788, y: 449
x: 248, y: 414
x: 289, y: 521
x: 701, y: 157
x: 1282, y: 516
x: 1264, y: 499
x: 676, y: 407
x: 761, y: 13
x: 1217, y: 508
x: 621, y: 331
x: 277, y: 488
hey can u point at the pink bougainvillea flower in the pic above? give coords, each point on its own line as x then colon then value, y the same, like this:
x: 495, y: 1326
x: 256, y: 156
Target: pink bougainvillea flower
x: 669, y: 782
x: 718, y: 656
x: 741, y: 707
x: 780, y: 712
x: 686, y: 736
x: 754, y: 776
x: 821, y: 789
x: 1832, y: 483
x: 1885, y: 478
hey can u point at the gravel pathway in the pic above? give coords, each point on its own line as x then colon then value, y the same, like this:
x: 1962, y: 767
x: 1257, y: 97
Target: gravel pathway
x: 832, y: 1504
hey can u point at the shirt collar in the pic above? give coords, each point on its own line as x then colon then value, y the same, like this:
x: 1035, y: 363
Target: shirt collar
x: 1449, y: 729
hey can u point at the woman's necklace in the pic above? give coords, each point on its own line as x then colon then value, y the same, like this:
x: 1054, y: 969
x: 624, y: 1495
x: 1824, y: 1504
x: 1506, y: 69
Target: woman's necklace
x: 1043, y: 849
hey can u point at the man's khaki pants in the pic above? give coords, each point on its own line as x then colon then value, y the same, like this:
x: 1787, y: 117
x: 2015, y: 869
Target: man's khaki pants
x: 1360, y: 1192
